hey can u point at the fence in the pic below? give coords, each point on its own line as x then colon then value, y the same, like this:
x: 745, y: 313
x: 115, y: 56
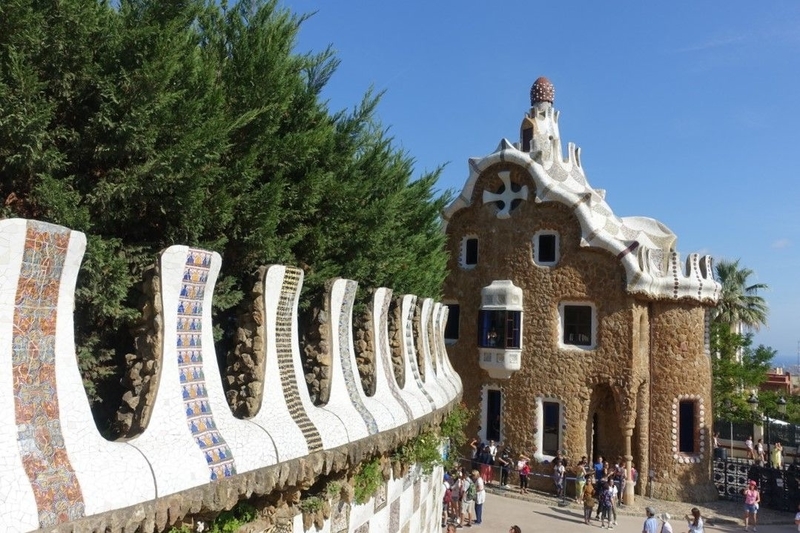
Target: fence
x: 774, y: 430
x: 780, y: 488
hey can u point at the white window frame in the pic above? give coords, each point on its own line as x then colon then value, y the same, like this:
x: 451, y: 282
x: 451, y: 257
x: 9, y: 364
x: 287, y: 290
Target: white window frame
x: 698, y: 426
x: 561, y: 307
x: 538, y: 424
x: 535, y: 244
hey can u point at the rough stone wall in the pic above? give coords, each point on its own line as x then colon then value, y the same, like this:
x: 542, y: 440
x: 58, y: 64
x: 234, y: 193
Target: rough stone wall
x: 582, y: 275
x: 396, y: 341
x: 315, y: 332
x: 245, y: 364
x: 364, y: 345
x: 140, y: 379
x: 610, y: 382
x: 680, y: 368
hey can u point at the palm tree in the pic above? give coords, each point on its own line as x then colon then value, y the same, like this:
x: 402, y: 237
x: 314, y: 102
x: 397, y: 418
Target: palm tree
x: 739, y: 305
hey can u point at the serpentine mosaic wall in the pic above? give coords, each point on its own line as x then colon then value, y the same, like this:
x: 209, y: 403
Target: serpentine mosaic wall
x: 56, y: 469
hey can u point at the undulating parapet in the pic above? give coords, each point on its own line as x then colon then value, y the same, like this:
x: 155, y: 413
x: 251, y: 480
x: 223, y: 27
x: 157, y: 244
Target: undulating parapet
x: 57, y: 468
x: 206, y: 442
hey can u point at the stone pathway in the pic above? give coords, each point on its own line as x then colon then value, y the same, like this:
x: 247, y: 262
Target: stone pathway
x: 722, y: 512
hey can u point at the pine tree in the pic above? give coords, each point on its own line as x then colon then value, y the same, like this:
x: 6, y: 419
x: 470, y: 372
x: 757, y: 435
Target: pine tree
x: 147, y: 123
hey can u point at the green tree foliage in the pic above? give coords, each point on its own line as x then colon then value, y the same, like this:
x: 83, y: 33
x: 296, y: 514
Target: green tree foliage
x: 739, y: 305
x: 737, y: 369
x: 147, y: 123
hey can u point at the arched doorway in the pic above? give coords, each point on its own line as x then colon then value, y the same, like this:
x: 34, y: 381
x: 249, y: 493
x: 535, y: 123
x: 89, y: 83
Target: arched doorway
x: 604, y: 425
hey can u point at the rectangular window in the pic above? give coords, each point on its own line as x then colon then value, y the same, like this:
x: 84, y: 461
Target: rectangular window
x: 578, y: 325
x: 546, y: 248
x: 471, y: 251
x: 551, y: 417
x: 499, y: 329
x: 451, y: 330
x: 686, y: 426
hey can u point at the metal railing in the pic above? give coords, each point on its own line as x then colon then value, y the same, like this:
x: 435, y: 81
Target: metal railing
x: 780, y: 487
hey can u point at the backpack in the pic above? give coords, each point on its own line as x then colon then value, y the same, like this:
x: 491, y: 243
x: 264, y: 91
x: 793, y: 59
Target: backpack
x: 471, y: 492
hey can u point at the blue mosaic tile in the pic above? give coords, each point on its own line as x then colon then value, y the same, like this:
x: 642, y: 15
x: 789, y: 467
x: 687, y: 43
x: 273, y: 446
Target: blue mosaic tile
x: 199, y: 417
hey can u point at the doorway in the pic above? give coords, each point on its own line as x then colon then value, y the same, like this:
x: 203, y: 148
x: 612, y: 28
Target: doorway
x: 493, y: 421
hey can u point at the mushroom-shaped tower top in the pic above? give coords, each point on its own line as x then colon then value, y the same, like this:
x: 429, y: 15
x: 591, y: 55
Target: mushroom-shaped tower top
x: 542, y: 91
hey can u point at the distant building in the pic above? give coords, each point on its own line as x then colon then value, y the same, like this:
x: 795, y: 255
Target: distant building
x: 573, y: 329
x: 778, y: 381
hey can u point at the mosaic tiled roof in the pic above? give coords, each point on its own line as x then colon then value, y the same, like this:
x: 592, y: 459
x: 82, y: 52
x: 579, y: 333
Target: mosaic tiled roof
x: 645, y: 246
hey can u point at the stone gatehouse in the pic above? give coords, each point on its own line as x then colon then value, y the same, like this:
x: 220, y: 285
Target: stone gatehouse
x: 574, y: 329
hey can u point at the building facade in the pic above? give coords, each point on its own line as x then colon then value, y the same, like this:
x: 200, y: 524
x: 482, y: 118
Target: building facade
x: 573, y: 329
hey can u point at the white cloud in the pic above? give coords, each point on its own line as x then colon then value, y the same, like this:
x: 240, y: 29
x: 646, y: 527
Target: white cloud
x: 781, y: 243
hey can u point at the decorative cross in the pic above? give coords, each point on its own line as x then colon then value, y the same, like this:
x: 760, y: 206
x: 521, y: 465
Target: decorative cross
x: 507, y: 196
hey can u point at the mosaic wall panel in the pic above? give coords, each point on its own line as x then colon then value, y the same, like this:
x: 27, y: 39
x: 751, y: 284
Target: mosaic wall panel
x: 381, y: 496
x: 41, y: 445
x: 283, y: 345
x: 394, y: 516
x: 199, y: 417
x: 363, y: 528
x: 344, y: 331
x: 340, y: 518
x: 385, y: 360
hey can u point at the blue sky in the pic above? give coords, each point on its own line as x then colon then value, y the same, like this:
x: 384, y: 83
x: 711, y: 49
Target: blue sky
x: 687, y: 112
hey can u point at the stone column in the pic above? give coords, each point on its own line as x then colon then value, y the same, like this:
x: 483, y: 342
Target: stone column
x: 628, y: 495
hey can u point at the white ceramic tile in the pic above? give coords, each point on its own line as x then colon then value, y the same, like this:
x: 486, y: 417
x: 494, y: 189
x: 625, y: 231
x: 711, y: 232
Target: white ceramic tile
x: 98, y: 463
x: 274, y: 415
x: 17, y: 502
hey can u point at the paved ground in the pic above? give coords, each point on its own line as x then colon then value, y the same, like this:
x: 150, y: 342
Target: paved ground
x: 537, y: 512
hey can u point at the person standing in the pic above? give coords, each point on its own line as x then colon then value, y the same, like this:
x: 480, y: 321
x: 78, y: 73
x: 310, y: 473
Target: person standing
x: 467, y: 501
x: 580, y: 479
x: 588, y: 499
x: 760, y: 455
x: 505, y: 465
x: 695, y: 522
x: 492, y: 461
x: 752, y: 499
x: 523, y: 468
x: 480, y: 495
x: 598, y: 469
x: 650, y: 523
x: 514, y: 529
x: 666, y: 527
x: 455, y: 496
x: 559, y: 473
x: 751, y: 454
x: 777, y: 455
x: 606, y: 502
x: 446, y: 498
